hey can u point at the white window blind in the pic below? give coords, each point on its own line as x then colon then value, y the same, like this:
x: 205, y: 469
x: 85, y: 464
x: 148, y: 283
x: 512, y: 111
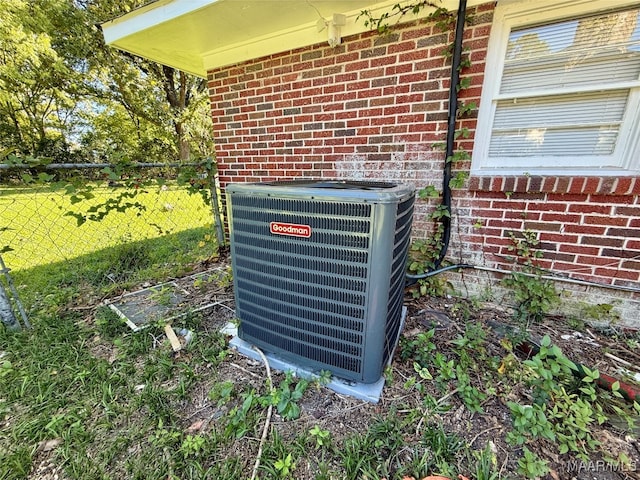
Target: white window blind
x: 566, y: 96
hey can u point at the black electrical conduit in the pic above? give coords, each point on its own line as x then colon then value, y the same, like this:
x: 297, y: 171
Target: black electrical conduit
x: 451, y: 129
x: 451, y: 135
x: 446, y: 177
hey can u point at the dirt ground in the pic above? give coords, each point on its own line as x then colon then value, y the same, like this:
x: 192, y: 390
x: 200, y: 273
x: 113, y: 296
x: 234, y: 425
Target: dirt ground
x: 344, y: 416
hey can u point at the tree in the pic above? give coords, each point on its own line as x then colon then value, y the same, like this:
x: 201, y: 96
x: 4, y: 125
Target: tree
x: 171, y: 103
x: 34, y: 109
x: 65, y: 94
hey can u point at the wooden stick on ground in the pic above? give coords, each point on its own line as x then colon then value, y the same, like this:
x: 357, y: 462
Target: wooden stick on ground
x: 171, y: 335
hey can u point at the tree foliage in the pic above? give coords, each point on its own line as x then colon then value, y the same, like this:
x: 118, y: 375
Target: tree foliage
x: 64, y: 94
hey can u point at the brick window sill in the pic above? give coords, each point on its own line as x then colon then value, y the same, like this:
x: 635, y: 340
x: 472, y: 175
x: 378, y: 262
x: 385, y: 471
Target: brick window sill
x: 557, y: 185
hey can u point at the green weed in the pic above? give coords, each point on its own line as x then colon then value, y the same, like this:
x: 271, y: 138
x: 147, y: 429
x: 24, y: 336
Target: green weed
x: 286, y: 396
x: 222, y: 392
x: 322, y: 437
x: 284, y: 466
x: 277, y: 459
x: 444, y: 446
x: 531, y: 466
x: 420, y: 348
x: 192, y: 445
x: 564, y: 407
x: 534, y: 296
x: 485, y: 464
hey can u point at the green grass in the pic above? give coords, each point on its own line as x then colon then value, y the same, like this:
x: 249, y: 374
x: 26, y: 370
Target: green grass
x: 121, y: 415
x: 54, y: 385
x: 57, y: 389
x: 127, y: 414
x: 115, y: 404
x: 34, y: 221
x: 90, y: 277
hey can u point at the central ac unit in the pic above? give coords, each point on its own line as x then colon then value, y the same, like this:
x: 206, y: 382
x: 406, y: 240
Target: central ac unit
x: 319, y: 271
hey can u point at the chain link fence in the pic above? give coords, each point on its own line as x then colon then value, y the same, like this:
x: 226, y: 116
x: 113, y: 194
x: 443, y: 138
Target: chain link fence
x: 53, y: 213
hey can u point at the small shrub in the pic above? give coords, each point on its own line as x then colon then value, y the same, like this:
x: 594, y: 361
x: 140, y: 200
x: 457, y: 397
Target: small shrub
x: 534, y: 296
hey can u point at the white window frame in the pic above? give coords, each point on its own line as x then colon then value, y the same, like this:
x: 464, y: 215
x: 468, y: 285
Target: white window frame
x: 512, y: 14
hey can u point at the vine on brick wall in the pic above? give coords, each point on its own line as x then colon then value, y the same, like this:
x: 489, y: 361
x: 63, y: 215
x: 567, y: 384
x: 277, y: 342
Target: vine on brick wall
x: 534, y: 296
x: 398, y: 11
x: 424, y: 253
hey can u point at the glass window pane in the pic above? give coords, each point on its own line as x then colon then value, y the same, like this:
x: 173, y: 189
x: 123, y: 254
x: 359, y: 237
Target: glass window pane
x: 561, y: 110
x: 540, y: 142
x: 593, y: 50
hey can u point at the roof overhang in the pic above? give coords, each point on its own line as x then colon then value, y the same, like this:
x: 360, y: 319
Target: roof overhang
x: 199, y: 35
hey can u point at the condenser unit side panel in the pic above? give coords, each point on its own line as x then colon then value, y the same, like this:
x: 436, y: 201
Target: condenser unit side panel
x: 378, y: 292
x: 402, y: 238
x: 387, y: 279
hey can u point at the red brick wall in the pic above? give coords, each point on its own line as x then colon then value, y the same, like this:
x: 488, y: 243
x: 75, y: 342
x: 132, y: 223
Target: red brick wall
x: 589, y: 227
x: 374, y: 106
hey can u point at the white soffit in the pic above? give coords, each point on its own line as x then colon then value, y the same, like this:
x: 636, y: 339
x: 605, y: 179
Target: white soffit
x: 198, y: 35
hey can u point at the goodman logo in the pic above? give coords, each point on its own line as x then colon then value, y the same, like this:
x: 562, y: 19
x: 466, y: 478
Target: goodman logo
x: 291, y: 229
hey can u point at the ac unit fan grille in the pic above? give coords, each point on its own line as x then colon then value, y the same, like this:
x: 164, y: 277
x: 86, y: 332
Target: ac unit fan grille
x: 307, y: 292
x: 310, y: 207
x: 305, y: 296
x: 338, y: 340
x: 330, y: 298
x: 314, y: 353
x: 270, y: 257
x: 312, y: 277
x: 302, y: 249
x: 348, y: 319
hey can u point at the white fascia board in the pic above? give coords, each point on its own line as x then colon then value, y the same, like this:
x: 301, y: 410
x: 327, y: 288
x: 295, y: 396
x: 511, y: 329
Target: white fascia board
x: 307, y: 34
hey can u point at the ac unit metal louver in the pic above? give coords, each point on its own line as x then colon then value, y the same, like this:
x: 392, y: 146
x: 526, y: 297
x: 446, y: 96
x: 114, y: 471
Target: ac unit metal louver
x: 319, y: 271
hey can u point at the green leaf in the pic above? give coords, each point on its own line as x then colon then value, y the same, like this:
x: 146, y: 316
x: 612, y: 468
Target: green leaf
x: 26, y: 178
x: 45, y: 177
x: 80, y: 219
x: 423, y: 372
x: 428, y: 192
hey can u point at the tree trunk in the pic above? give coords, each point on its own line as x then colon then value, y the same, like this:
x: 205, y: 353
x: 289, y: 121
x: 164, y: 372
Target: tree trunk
x: 184, y: 148
x: 176, y: 88
x: 6, y: 313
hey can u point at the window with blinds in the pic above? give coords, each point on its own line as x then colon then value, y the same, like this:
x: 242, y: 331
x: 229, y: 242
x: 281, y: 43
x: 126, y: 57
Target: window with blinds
x: 565, y: 97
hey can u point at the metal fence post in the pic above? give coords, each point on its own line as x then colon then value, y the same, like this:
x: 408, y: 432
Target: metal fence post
x: 5, y: 271
x: 215, y: 204
x: 6, y: 314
